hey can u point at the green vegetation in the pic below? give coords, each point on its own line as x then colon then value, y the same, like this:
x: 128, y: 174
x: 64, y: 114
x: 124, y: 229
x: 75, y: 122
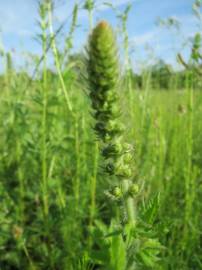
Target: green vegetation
x: 98, y: 170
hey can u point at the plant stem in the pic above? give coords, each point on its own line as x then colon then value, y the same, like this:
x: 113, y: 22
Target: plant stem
x: 56, y: 58
x: 129, y: 204
x: 44, y: 120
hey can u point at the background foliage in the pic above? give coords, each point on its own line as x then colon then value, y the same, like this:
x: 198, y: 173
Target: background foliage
x: 55, y: 213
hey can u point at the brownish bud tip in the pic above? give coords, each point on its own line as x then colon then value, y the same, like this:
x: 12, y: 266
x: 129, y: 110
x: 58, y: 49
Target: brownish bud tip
x: 103, y: 24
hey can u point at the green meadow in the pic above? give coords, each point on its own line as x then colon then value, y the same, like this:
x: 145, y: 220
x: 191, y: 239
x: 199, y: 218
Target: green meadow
x: 59, y: 208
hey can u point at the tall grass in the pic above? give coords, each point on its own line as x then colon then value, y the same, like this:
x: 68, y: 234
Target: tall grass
x: 59, y: 210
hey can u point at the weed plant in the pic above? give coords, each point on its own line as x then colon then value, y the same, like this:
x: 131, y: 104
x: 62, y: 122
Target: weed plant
x: 67, y: 177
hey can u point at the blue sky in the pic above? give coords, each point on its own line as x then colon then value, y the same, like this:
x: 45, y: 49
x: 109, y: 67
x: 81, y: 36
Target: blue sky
x: 18, y: 26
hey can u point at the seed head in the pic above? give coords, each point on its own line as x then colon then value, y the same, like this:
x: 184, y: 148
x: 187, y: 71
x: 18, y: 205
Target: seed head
x: 103, y: 70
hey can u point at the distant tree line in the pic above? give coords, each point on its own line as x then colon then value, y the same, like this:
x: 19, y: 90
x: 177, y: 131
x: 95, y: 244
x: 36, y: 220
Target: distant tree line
x: 163, y: 76
x: 159, y: 76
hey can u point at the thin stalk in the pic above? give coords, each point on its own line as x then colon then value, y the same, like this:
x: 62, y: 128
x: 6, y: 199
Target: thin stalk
x: 93, y: 185
x: 32, y: 267
x: 127, y: 64
x: 77, y: 157
x: 56, y: 58
x: 89, y: 6
x: 44, y: 120
x: 21, y: 183
x: 90, y: 19
x: 84, y: 133
x: 129, y: 204
x: 161, y: 152
x: 45, y: 188
x: 188, y: 171
x: 146, y: 77
x: 6, y: 78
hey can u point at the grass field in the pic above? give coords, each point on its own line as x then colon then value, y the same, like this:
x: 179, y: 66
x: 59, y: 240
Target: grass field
x: 57, y: 210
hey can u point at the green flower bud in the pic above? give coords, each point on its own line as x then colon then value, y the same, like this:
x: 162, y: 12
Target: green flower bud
x: 110, y: 168
x: 115, y: 110
x: 133, y: 190
x: 106, y: 106
x: 124, y: 171
x: 110, y: 96
x: 127, y: 147
x: 127, y: 157
x: 114, y: 127
x: 117, y: 192
x: 112, y: 150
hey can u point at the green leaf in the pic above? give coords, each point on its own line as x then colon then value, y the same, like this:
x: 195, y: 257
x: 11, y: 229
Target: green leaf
x: 150, y: 210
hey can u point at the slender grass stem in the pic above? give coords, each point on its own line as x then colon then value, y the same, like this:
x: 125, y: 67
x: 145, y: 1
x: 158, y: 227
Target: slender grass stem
x: 44, y: 120
x: 77, y: 158
x: 56, y: 58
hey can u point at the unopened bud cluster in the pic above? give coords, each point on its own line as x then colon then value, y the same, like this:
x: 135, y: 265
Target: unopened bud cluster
x: 103, y: 70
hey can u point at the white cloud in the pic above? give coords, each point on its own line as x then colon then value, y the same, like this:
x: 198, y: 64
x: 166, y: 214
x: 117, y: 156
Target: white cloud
x: 16, y: 17
x: 101, y: 5
x: 145, y: 38
x: 64, y: 11
x: 117, y: 3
